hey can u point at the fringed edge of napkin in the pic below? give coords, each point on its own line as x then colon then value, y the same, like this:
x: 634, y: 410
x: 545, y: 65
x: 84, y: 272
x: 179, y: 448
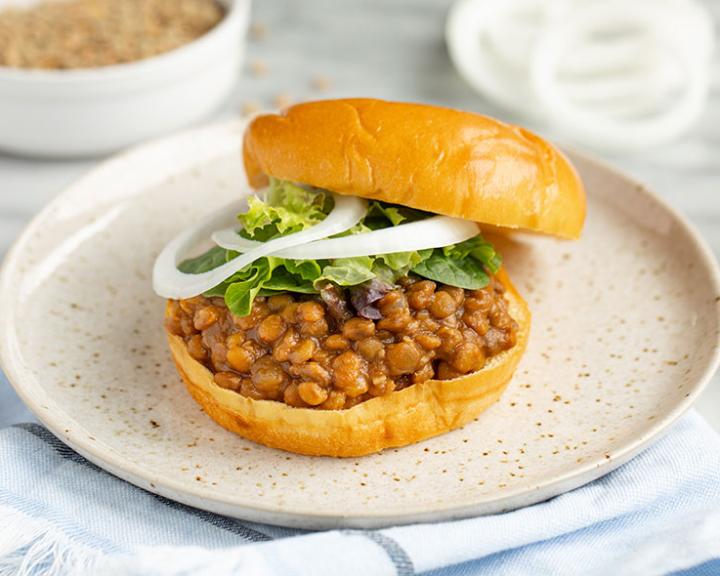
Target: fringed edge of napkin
x: 30, y: 546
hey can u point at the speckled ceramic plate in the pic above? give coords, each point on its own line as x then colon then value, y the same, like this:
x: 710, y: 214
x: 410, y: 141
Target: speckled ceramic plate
x: 625, y: 334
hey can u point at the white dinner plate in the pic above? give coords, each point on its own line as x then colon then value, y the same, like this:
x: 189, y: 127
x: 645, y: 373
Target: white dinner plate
x: 625, y: 334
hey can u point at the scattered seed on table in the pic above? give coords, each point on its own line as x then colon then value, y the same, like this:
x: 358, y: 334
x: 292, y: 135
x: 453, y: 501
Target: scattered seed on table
x: 258, y: 68
x: 249, y: 108
x: 258, y: 31
x: 320, y: 83
x: 282, y: 101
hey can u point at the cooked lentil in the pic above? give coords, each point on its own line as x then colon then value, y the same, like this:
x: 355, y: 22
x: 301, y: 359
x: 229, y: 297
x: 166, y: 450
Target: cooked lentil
x: 290, y: 349
x: 89, y: 33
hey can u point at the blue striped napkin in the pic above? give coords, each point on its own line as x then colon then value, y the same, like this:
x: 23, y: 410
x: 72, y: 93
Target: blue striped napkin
x: 659, y: 514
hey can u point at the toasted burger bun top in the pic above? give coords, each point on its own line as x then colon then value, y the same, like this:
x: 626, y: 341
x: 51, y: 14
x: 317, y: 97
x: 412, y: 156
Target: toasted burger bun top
x: 435, y: 159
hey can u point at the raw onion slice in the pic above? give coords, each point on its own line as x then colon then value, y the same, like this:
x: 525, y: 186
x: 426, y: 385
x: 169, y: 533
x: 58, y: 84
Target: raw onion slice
x: 169, y: 282
x: 467, y: 42
x: 433, y: 232
x: 613, y: 74
x: 620, y: 133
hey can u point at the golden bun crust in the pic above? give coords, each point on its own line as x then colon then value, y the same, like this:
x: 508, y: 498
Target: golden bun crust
x: 400, y: 418
x: 436, y: 159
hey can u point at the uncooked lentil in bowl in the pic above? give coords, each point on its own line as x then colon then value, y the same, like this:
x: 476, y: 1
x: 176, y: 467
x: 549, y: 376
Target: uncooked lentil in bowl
x: 69, y: 34
x: 302, y: 351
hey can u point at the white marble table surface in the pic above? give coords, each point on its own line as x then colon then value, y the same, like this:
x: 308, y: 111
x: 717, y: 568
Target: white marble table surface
x: 389, y: 49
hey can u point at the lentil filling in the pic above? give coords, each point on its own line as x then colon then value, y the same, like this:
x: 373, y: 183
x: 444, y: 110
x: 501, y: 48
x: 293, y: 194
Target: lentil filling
x: 295, y: 349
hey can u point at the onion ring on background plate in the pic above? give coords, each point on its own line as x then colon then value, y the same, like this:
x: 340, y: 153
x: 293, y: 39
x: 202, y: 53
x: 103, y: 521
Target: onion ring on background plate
x: 599, y: 129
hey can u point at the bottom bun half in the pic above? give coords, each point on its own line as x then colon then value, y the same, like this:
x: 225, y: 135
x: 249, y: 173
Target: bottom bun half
x: 400, y: 418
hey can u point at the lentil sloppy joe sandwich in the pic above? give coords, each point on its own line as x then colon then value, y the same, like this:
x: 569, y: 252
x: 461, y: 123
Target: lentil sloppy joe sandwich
x: 353, y: 303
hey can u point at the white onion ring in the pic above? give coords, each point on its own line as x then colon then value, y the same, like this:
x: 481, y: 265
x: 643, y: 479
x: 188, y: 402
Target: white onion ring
x: 433, y: 232
x: 595, y: 58
x: 642, y: 84
x: 511, y: 29
x: 465, y: 31
x: 169, y: 282
x: 602, y: 130
x: 646, y: 86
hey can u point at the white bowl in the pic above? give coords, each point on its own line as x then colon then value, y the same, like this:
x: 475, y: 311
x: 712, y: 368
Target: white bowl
x: 87, y: 112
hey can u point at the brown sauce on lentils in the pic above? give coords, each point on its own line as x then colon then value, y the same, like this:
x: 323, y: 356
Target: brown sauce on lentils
x: 290, y: 349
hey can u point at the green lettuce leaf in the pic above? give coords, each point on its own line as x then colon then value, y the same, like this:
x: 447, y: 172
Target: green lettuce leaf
x: 282, y: 280
x: 305, y: 269
x: 239, y: 295
x: 348, y: 271
x: 210, y: 260
x: 384, y: 215
x: 403, y: 260
x: 479, y: 249
x: 465, y: 265
x: 390, y: 267
x: 287, y: 208
x: 264, y: 277
x: 391, y: 213
x: 243, y: 275
x: 464, y: 273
